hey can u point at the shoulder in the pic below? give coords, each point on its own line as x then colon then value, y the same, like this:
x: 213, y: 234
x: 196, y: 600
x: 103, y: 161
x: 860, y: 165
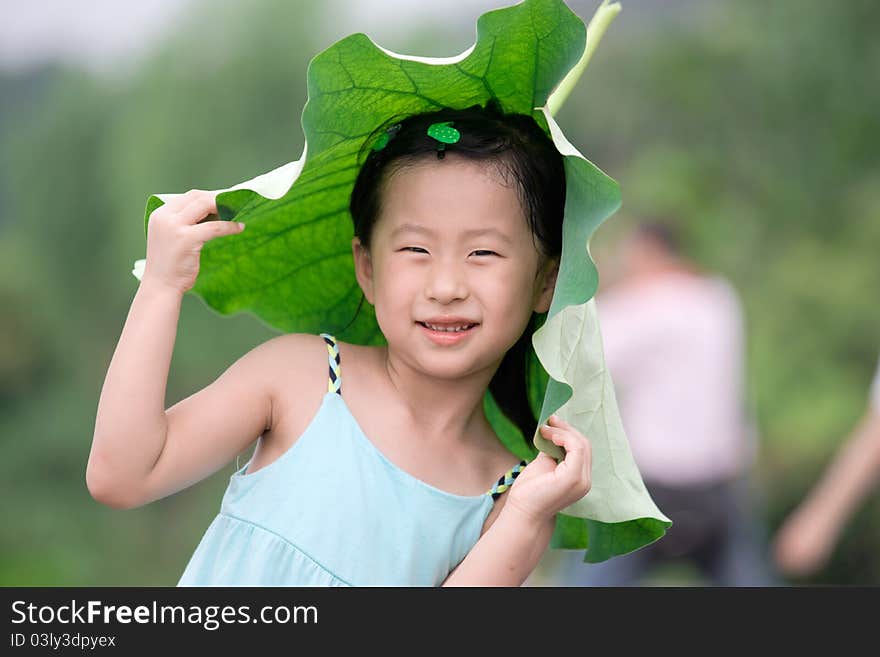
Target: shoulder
x: 299, y: 368
x: 723, y: 288
x: 302, y: 360
x: 294, y: 353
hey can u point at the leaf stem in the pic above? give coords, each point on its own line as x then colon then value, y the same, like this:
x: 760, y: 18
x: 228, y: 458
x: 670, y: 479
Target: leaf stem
x: 596, y: 28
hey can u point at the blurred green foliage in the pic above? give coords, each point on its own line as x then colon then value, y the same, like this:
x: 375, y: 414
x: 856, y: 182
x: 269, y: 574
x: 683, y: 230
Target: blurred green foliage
x: 751, y: 125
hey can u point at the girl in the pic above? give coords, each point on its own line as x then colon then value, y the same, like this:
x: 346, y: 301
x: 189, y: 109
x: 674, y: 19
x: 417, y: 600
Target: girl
x: 380, y: 472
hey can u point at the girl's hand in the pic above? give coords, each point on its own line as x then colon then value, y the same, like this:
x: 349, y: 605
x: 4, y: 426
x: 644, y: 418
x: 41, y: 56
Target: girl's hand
x: 176, y: 233
x: 544, y: 487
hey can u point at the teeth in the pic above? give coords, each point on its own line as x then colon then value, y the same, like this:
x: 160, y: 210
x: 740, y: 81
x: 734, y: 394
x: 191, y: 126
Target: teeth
x: 448, y: 329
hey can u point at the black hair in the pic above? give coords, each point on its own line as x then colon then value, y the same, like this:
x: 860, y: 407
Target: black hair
x: 525, y: 156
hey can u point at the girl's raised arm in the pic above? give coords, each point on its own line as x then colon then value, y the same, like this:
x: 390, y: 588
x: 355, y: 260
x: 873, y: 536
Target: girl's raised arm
x: 131, y: 424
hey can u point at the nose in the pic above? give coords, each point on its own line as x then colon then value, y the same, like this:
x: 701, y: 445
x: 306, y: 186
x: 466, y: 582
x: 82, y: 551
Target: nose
x: 446, y: 282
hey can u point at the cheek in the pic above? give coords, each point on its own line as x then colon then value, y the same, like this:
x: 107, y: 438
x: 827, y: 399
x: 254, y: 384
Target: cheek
x: 400, y: 272
x: 395, y: 283
x: 509, y: 292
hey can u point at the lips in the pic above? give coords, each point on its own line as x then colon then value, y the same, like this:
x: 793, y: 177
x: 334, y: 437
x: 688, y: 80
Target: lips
x: 444, y: 325
x: 447, y: 321
x: 446, y: 338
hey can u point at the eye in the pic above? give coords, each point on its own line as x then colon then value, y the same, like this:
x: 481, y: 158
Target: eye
x: 410, y: 248
x: 485, y: 251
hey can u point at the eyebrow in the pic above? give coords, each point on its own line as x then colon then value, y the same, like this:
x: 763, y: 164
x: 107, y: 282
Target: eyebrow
x: 416, y: 228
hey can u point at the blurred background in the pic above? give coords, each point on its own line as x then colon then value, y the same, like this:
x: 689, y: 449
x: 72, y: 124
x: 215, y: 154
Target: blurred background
x: 752, y: 126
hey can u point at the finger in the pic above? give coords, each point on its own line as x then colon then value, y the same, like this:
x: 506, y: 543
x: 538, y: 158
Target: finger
x: 578, y: 452
x: 176, y: 202
x: 198, y: 208
x: 560, y: 424
x: 556, y: 420
x: 541, y: 464
x: 577, y: 464
x: 571, y: 439
x: 211, y: 229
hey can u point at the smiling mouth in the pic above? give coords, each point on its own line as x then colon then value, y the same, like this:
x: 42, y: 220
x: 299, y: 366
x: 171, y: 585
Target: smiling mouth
x: 467, y: 328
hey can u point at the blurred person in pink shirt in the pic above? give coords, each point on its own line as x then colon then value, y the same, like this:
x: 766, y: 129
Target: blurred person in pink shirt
x: 807, y: 538
x: 673, y: 339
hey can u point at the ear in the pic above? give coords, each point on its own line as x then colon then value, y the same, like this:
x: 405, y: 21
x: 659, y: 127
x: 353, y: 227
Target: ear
x: 549, y: 274
x: 363, y: 268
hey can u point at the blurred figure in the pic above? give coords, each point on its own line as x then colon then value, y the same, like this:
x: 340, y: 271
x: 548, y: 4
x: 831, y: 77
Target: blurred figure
x: 808, y: 536
x: 673, y: 338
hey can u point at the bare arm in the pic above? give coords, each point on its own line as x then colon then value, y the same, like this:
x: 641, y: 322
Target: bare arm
x: 807, y: 537
x: 139, y: 452
x: 130, y: 425
x: 130, y: 466
x: 511, y: 548
x: 506, y: 554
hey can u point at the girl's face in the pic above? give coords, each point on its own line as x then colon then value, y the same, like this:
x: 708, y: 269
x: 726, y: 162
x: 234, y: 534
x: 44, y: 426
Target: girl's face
x: 452, y: 241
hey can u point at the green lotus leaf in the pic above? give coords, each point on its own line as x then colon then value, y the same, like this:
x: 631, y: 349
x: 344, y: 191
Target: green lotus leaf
x: 293, y: 269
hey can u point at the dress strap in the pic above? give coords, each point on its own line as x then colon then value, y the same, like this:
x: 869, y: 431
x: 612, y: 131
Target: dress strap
x: 506, y: 480
x: 334, y: 383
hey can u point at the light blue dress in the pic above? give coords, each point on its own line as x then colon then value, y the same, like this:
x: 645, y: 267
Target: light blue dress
x: 334, y: 511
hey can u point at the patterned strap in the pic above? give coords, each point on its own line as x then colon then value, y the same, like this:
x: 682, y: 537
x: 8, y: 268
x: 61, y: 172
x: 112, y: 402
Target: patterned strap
x: 334, y: 383
x: 506, y: 480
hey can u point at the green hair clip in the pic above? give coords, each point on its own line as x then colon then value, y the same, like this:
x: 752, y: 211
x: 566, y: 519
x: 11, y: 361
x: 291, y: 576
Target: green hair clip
x: 385, y: 137
x: 382, y: 141
x: 444, y: 133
